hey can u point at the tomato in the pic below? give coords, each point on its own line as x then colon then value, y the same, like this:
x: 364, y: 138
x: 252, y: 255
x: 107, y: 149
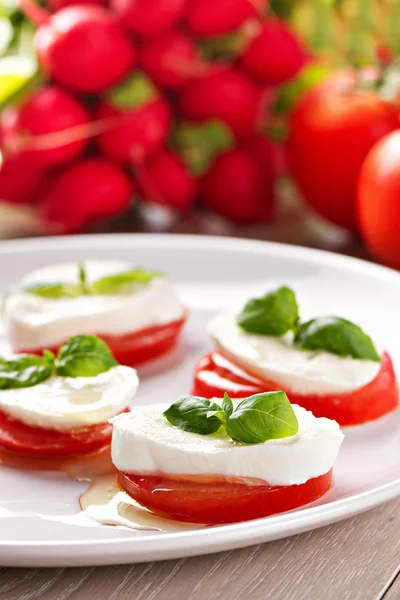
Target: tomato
x: 17, y: 437
x: 214, y: 375
x: 378, y: 201
x: 216, y: 500
x: 332, y: 129
x: 137, y: 347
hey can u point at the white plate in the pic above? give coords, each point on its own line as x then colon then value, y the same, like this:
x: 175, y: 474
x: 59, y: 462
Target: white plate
x: 40, y: 524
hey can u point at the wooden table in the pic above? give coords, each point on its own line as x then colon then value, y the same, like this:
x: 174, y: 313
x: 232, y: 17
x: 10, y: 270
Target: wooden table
x: 356, y: 559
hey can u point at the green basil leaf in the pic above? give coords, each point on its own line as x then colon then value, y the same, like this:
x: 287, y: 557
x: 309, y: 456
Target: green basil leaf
x: 53, y: 290
x: 336, y: 335
x: 123, y: 283
x: 192, y: 413
x: 24, y: 371
x: 262, y: 417
x: 273, y: 314
x: 84, y: 356
x: 227, y: 405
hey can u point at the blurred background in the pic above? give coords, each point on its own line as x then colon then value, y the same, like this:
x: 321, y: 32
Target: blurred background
x: 274, y: 120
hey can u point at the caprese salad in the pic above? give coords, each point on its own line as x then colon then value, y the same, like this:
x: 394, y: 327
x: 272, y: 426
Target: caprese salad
x: 224, y: 461
x: 327, y: 365
x: 135, y: 311
x: 59, y: 406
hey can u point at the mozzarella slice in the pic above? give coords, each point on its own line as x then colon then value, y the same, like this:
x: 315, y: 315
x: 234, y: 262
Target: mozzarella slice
x: 276, y: 359
x: 34, y: 322
x: 145, y: 442
x: 65, y: 403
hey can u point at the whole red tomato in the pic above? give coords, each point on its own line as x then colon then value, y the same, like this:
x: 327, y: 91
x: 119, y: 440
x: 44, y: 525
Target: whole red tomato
x: 378, y: 201
x: 332, y: 129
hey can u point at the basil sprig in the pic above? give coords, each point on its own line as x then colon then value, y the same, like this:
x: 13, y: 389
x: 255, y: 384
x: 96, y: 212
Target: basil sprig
x: 84, y: 356
x: 256, y: 419
x: 125, y: 282
x: 80, y: 356
x: 337, y: 336
x: 276, y: 313
x: 24, y: 371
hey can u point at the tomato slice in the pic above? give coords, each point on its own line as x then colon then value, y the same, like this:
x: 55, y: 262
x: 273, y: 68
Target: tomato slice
x: 217, y: 500
x: 214, y: 375
x: 17, y: 437
x: 137, y: 347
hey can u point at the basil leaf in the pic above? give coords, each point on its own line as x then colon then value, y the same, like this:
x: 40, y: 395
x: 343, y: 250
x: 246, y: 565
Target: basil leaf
x: 84, y: 356
x: 24, y: 371
x: 123, y: 283
x: 262, y: 417
x: 53, y: 290
x: 336, y: 335
x: 227, y: 405
x: 192, y: 413
x: 273, y: 314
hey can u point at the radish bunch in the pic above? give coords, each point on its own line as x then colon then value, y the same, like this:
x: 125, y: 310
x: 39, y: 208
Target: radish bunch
x: 162, y: 100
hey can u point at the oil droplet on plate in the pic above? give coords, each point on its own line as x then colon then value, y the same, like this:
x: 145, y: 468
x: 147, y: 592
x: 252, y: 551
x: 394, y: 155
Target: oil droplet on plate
x: 106, y: 503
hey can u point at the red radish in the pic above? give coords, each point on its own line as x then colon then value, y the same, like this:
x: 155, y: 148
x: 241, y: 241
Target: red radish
x: 84, y: 48
x: 169, y: 60
x: 144, y: 120
x: 164, y: 179
x: 208, y: 18
x: 238, y: 187
x: 223, y: 93
x: 270, y: 154
x: 90, y: 189
x: 57, y: 4
x: 148, y: 17
x: 21, y: 182
x: 274, y: 54
x: 49, y: 110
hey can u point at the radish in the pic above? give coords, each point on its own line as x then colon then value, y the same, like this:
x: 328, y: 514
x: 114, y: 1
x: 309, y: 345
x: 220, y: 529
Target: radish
x: 274, y: 54
x: 148, y: 17
x: 82, y: 47
x: 143, y: 120
x: 208, y: 18
x: 239, y: 188
x: 170, y: 59
x: 223, y: 93
x: 21, y: 182
x: 90, y: 189
x: 49, y: 110
x: 57, y: 4
x: 270, y: 154
x: 164, y: 179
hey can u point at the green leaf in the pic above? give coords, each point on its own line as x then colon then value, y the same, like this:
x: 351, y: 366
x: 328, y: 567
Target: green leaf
x: 198, y: 144
x: 192, y: 413
x: 53, y: 290
x: 84, y: 356
x: 262, y: 417
x: 83, y: 279
x: 24, y: 371
x: 227, y: 405
x: 273, y: 314
x: 123, y: 283
x: 136, y: 91
x: 336, y: 335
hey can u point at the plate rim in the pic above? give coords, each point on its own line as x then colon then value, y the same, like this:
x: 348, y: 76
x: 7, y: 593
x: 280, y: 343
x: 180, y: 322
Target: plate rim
x: 139, y: 548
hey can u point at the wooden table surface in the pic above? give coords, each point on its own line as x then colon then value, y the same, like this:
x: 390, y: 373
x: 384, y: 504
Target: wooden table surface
x: 356, y: 559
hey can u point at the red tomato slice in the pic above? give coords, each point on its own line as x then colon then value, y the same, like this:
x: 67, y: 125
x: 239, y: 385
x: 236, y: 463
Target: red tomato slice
x: 17, y: 437
x: 134, y: 348
x: 215, y: 375
x: 217, y: 500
